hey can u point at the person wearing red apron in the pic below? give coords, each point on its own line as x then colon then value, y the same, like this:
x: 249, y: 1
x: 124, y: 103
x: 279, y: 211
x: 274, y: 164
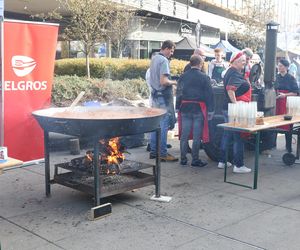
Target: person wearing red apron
x: 195, y: 102
x: 285, y: 85
x: 236, y: 88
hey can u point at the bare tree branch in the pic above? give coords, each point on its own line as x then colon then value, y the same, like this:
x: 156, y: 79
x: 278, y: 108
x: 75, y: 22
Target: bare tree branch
x: 251, y: 32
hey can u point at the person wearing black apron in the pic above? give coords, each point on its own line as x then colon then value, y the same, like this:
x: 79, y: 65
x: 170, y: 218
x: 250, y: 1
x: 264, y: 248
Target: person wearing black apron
x: 217, y: 66
x: 236, y: 88
x: 162, y: 97
x: 195, y: 102
x: 285, y: 85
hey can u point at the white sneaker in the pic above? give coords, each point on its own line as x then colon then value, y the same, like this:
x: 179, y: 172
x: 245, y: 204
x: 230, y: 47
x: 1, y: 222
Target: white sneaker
x: 241, y: 170
x: 222, y: 164
x: 266, y: 152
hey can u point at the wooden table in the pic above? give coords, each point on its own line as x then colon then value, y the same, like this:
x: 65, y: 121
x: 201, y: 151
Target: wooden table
x: 269, y: 123
x: 11, y: 162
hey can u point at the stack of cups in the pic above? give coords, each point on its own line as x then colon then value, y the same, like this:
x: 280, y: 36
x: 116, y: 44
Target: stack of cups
x: 251, y: 114
x: 293, y: 105
x: 232, y: 113
x: 242, y: 113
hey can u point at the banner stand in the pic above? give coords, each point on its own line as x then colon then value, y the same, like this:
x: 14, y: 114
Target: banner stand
x: 28, y: 57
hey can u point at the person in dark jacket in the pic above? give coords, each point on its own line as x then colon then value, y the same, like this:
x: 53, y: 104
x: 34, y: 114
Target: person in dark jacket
x: 195, y: 102
x: 285, y: 85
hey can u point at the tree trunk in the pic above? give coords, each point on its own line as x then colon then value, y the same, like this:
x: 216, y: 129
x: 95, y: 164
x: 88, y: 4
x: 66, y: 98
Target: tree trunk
x: 87, y: 63
x: 119, y: 50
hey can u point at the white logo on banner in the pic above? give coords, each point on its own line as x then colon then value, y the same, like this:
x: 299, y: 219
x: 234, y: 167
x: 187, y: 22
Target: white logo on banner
x: 22, y: 65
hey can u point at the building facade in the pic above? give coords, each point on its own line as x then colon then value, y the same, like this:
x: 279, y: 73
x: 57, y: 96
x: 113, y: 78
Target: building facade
x: 158, y: 20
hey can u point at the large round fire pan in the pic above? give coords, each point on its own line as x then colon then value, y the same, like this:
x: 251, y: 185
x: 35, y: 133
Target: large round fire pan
x: 103, y: 122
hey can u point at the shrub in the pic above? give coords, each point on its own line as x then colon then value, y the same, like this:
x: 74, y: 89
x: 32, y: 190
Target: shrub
x: 112, y: 68
x: 177, y: 66
x: 67, y: 88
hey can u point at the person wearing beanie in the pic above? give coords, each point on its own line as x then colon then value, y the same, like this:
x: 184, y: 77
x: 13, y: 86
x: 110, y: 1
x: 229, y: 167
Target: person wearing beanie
x: 236, y: 88
x: 285, y: 85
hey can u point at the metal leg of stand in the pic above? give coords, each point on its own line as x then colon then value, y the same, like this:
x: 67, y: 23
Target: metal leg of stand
x: 157, y: 163
x: 96, y: 173
x: 226, y: 160
x: 47, y: 163
x: 257, y: 139
x: 255, y: 175
x: 298, y: 144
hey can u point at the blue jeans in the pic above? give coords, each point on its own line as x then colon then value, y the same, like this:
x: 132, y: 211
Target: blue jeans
x: 189, y: 121
x: 159, y: 102
x: 228, y: 138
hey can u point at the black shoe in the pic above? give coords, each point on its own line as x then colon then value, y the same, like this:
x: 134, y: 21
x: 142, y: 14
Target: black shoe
x: 148, y: 147
x: 199, y: 163
x: 183, y: 162
x: 189, y: 150
x: 169, y: 146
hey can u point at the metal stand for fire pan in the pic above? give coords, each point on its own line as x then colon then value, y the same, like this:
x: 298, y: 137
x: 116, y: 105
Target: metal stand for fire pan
x: 128, y: 179
x: 102, y: 186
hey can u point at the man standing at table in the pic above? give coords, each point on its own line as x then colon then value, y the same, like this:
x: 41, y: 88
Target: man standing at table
x: 162, y: 97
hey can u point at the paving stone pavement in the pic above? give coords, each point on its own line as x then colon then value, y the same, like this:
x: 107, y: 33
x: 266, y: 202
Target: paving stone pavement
x: 204, y: 213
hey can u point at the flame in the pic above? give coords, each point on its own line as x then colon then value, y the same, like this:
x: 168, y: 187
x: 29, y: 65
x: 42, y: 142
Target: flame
x: 110, y: 158
x: 115, y: 156
x: 89, y: 156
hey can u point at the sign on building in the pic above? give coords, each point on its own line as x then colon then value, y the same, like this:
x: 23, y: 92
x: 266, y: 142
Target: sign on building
x: 185, y: 30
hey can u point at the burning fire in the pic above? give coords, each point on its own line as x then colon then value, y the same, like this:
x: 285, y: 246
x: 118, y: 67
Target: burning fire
x: 111, y: 156
x: 112, y: 153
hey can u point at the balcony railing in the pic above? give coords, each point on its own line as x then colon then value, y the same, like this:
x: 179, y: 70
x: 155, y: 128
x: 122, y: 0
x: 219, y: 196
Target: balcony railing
x: 181, y: 11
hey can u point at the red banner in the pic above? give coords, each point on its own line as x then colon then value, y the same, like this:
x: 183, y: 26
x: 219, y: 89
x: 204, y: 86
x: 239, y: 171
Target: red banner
x: 29, y: 55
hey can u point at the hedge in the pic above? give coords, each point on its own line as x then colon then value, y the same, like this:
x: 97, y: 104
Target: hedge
x: 66, y: 88
x: 111, y: 68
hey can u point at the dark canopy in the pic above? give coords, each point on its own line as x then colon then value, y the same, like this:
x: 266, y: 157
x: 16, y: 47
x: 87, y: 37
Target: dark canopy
x: 189, y: 43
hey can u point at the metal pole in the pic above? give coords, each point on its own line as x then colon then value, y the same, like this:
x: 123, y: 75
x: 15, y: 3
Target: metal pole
x: 47, y: 162
x: 96, y: 173
x: 157, y: 172
x: 298, y: 144
x: 226, y: 159
x: 257, y: 137
x: 285, y: 31
x: 1, y: 85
